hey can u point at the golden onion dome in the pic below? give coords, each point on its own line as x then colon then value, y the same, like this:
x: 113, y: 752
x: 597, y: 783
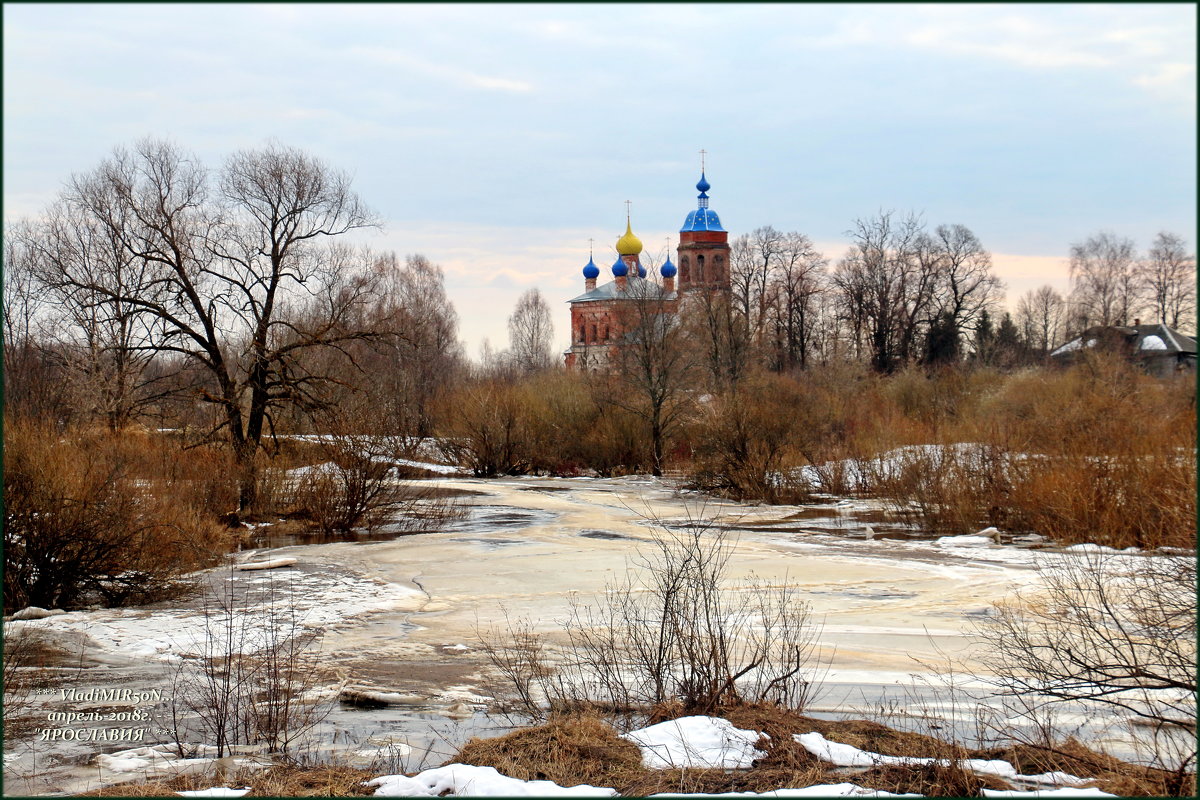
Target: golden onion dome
x: 629, y: 245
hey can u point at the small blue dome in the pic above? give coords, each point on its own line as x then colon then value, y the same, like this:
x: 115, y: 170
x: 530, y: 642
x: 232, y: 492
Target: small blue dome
x: 703, y: 185
x: 641, y: 270
x: 591, y: 270
x: 668, y: 269
x: 619, y: 268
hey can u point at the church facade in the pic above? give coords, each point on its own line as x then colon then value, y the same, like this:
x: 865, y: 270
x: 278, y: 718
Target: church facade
x: 600, y: 317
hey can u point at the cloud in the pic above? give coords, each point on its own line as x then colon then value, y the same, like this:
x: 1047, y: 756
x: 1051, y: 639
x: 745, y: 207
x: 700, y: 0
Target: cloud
x: 442, y: 70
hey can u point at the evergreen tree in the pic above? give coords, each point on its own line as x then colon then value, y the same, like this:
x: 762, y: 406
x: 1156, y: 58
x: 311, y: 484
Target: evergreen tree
x: 985, y: 338
x: 1008, y: 348
x: 942, y: 341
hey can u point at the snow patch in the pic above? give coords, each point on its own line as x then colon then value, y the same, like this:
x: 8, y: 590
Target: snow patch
x: 844, y: 755
x: 462, y: 780
x: 972, y: 540
x: 273, y: 563
x: 1047, y: 793
x: 162, y: 758
x: 820, y: 790
x: 319, y: 600
x: 698, y: 742
x: 34, y: 612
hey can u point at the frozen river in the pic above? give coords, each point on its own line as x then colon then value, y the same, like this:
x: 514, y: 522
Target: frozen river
x: 401, y: 615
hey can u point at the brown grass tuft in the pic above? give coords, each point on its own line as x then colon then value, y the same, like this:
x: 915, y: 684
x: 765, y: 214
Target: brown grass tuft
x: 282, y: 781
x: 932, y: 780
x: 568, y: 750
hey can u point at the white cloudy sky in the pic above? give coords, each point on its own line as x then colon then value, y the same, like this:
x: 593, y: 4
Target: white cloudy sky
x: 496, y: 139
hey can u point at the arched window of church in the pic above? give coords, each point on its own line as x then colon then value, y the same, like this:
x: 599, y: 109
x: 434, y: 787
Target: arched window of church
x: 685, y: 270
x: 594, y: 332
x: 607, y: 335
x: 699, y: 269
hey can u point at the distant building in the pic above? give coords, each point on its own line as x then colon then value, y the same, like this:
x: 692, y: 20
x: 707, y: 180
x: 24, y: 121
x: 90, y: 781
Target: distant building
x: 600, y: 317
x: 1160, y: 350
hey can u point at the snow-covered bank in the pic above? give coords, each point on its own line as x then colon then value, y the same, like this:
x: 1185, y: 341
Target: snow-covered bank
x: 315, y: 595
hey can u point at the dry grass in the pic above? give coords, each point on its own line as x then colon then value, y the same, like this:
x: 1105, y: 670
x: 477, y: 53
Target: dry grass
x: 1112, y: 774
x: 282, y: 781
x: 932, y: 780
x: 567, y: 749
x: 581, y: 748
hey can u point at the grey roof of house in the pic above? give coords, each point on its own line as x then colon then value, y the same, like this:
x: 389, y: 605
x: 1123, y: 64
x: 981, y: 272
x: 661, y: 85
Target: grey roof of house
x: 638, y: 288
x: 1175, y: 341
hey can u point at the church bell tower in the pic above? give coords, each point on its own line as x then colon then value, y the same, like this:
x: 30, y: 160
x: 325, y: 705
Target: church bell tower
x: 703, y: 246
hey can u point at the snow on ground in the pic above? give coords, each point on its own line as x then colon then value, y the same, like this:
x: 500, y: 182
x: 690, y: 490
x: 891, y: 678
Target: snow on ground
x: 696, y: 742
x: 319, y: 598
x: 462, y: 780
x: 844, y: 755
x: 1066, y: 792
x: 821, y: 790
x: 162, y: 759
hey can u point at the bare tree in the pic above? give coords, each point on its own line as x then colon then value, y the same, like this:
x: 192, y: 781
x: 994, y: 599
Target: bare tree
x: 1103, y: 281
x: 965, y: 283
x: 105, y: 343
x: 887, y: 282
x: 1040, y: 314
x: 33, y: 382
x: 223, y: 272
x: 720, y: 336
x: 1168, y: 275
x: 652, y: 365
x: 798, y: 278
x: 403, y: 374
x: 531, y: 332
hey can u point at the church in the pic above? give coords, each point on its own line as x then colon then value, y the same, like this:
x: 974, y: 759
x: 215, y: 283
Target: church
x: 599, y: 316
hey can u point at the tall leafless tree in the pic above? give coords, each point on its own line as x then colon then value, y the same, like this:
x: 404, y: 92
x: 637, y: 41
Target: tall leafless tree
x: 887, y: 282
x: 799, y: 276
x: 1040, y: 315
x: 531, y: 332
x: 651, y: 368
x: 222, y: 271
x: 1168, y: 277
x: 1103, y: 281
x: 966, y: 285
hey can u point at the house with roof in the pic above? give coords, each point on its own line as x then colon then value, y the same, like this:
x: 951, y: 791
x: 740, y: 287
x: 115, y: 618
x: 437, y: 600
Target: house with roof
x: 601, y: 317
x: 1161, y: 351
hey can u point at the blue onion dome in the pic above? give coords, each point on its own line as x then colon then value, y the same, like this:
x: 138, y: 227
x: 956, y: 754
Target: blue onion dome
x: 619, y: 269
x: 591, y: 270
x: 703, y: 218
x: 641, y: 270
x: 668, y: 269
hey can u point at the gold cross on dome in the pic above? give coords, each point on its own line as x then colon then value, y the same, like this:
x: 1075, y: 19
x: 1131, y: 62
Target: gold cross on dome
x: 590, y: 240
x: 628, y: 203
x: 702, y: 154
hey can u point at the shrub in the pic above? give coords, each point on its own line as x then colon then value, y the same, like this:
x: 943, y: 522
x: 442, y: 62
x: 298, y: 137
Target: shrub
x: 1118, y: 632
x: 252, y: 680
x: 672, y: 632
x: 746, y: 442
x: 81, y: 527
